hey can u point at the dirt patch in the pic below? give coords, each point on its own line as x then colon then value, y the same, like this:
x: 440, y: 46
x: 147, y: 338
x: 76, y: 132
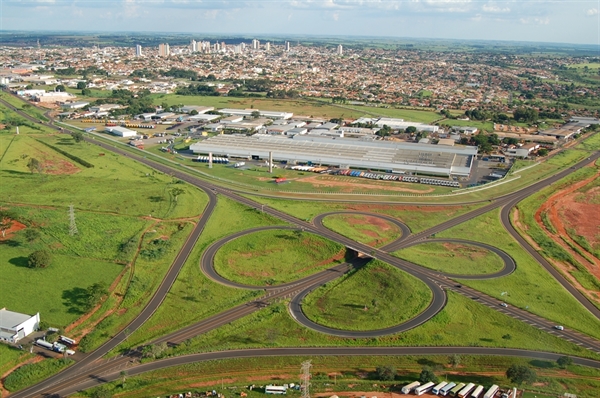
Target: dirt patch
x: 466, y: 251
x: 56, y: 167
x: 15, y: 227
x: 347, y: 186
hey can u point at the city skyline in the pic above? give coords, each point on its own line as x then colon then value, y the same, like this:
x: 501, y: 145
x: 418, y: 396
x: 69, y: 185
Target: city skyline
x: 574, y: 22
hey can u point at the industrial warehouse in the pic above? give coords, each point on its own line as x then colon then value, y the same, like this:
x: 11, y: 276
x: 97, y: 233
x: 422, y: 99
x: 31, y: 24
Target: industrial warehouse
x: 395, y: 157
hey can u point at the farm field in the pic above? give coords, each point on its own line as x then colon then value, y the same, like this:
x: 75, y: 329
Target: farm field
x: 376, y: 296
x: 193, y: 296
x: 348, y: 376
x: 592, y: 143
x: 453, y: 258
x: 530, y: 287
x: 463, y: 322
x: 276, y: 256
x: 369, y: 230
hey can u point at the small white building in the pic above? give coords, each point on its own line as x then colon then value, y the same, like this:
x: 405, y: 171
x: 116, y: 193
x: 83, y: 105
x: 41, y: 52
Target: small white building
x: 15, y: 326
x: 120, y: 131
x: 74, y: 105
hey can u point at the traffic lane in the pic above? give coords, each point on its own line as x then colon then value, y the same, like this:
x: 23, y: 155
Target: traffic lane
x: 437, y: 304
x: 405, y: 231
x: 97, y: 379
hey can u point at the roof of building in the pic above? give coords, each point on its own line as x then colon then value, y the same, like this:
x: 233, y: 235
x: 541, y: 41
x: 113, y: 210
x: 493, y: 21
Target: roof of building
x: 11, y: 319
x: 383, y: 155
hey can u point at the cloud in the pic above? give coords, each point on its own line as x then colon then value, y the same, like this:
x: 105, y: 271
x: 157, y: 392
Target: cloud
x: 535, y: 21
x: 591, y: 12
x: 494, y: 8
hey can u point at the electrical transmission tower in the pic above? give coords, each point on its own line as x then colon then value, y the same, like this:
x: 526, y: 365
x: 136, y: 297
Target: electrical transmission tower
x: 305, y: 379
x: 72, y: 225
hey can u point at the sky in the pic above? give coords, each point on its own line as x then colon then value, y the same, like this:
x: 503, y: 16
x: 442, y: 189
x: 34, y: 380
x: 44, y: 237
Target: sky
x: 560, y: 21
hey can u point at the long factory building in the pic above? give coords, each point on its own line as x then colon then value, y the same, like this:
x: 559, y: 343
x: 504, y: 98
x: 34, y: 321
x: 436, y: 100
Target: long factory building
x: 395, y: 157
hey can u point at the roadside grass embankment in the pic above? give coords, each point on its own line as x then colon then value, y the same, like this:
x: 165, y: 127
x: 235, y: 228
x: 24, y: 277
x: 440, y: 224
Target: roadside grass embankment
x: 30, y: 374
x: 194, y: 296
x: 369, y: 230
x: 348, y: 376
x: 376, y: 296
x: 276, y: 256
x: 453, y: 258
x: 530, y: 287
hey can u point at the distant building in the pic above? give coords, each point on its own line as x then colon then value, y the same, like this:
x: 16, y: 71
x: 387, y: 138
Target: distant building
x: 54, y: 96
x: 268, y: 46
x: 120, y: 131
x: 163, y: 50
x: 340, y: 50
x: 74, y: 105
x: 15, y: 326
x: 138, y: 50
x: 193, y: 46
x: 255, y: 44
x: 287, y: 46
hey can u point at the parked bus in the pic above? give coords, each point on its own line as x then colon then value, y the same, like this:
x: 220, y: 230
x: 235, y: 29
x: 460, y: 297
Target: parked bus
x: 491, y: 392
x: 446, y: 389
x: 466, y: 390
x: 477, y: 392
x: 456, y: 389
x: 409, y: 387
x: 436, y: 390
x: 271, y: 389
x: 424, y: 388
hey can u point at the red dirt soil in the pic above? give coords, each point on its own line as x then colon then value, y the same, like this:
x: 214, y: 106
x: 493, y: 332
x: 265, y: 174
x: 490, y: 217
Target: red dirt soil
x: 14, y: 228
x: 570, y: 209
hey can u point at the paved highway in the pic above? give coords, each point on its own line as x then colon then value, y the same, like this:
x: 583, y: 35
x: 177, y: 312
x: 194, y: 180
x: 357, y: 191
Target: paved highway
x: 436, y: 281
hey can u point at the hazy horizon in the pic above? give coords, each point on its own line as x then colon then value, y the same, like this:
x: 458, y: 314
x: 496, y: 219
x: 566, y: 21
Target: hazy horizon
x: 558, y: 22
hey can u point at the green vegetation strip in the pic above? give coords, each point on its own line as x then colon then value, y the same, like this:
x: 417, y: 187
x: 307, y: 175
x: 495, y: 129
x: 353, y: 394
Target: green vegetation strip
x: 28, y: 375
x: 345, y: 375
x: 530, y: 287
x: 364, y: 229
x: 453, y: 258
x: 376, y: 296
x: 275, y: 256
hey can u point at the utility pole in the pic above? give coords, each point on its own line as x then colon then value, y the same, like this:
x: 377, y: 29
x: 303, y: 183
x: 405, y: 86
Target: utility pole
x: 305, y: 379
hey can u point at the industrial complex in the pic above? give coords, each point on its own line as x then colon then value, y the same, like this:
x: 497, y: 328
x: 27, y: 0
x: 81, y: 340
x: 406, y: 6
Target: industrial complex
x: 395, y: 157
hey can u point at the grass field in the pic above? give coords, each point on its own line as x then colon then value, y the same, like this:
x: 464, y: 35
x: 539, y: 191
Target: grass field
x: 592, y: 143
x: 365, y: 229
x: 453, y: 258
x: 346, y: 374
x: 462, y: 322
x: 193, y: 296
x: 276, y: 256
x: 9, y: 356
x: 530, y: 287
x: 374, y: 297
x: 114, y: 184
x: 30, y: 374
x: 55, y: 292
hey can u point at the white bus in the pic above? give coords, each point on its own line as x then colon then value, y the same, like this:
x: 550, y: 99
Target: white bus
x: 436, y: 390
x: 491, y: 392
x: 271, y: 389
x: 446, y: 389
x: 424, y: 388
x: 409, y: 387
x: 466, y: 390
x: 477, y: 392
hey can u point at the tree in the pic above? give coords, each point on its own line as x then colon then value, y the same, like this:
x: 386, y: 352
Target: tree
x: 565, y: 361
x: 95, y: 293
x: 6, y: 221
x: 77, y: 136
x: 176, y: 192
x: 542, y: 152
x: 386, y: 373
x: 384, y: 131
x: 455, y: 360
x: 255, y: 114
x: 60, y: 87
x: 39, y: 259
x: 34, y: 165
x: 193, y: 112
x: 81, y: 85
x: 32, y: 234
x: 410, y: 130
x: 86, y: 91
x: 519, y: 374
x: 154, y: 350
x: 427, y: 375
x: 101, y: 392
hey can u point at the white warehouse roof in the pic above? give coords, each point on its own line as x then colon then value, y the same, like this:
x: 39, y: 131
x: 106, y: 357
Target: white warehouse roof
x: 343, y: 152
x: 248, y: 112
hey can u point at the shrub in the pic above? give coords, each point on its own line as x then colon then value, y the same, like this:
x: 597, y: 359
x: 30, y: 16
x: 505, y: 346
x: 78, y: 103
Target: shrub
x: 39, y: 259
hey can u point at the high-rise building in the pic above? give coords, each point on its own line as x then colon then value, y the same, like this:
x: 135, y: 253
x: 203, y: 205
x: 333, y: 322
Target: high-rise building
x: 268, y: 46
x: 340, y: 50
x: 255, y: 44
x: 193, y: 46
x: 138, y: 50
x: 287, y: 46
x: 163, y: 50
